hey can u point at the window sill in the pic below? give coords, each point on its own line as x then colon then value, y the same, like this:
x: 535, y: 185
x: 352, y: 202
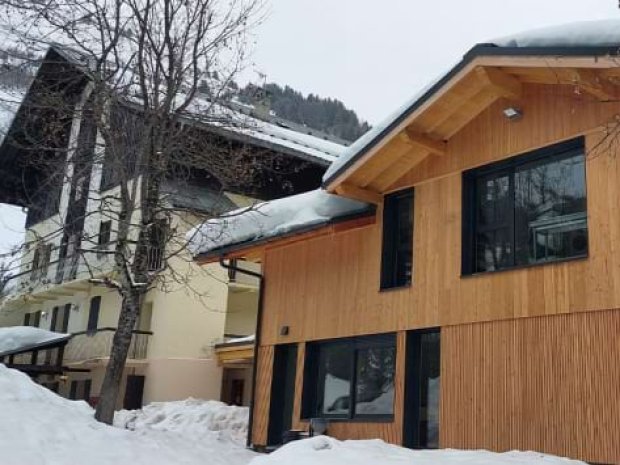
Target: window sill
x: 525, y: 267
x: 395, y: 288
x: 369, y: 419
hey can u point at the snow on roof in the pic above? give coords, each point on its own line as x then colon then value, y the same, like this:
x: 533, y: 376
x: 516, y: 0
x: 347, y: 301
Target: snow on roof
x: 271, y: 219
x: 15, y: 338
x: 603, y: 33
x: 329, y: 451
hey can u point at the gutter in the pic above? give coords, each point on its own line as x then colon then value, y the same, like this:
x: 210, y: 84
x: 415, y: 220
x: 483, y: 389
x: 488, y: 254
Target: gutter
x: 479, y: 50
x: 259, y: 321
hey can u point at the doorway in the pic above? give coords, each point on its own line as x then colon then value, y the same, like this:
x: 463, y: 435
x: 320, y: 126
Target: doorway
x: 422, y: 394
x: 282, y: 392
x: 133, y: 392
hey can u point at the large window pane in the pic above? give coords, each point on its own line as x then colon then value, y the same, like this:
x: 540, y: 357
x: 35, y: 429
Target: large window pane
x: 374, y: 392
x: 526, y: 210
x: 429, y: 389
x: 550, y: 210
x: 335, y: 377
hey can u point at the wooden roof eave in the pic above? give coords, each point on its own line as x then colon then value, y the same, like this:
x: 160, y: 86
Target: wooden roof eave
x: 477, y: 84
x: 255, y: 251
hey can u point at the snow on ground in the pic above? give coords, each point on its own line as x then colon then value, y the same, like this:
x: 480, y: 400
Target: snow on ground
x: 192, y: 418
x: 38, y: 427
x: 16, y: 337
x: 323, y: 450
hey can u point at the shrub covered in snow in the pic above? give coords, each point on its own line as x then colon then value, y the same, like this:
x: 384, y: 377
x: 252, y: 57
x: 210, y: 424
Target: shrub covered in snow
x: 192, y: 418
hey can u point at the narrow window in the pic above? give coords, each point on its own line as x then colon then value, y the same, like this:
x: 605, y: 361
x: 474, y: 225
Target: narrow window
x: 350, y: 378
x: 27, y: 319
x: 105, y: 231
x: 93, y: 313
x: 527, y: 210
x: 397, y: 257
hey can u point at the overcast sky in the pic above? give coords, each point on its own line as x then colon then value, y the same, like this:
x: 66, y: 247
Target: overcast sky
x: 373, y: 55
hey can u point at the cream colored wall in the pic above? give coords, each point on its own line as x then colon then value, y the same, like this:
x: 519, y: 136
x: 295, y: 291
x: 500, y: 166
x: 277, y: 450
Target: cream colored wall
x: 241, y: 312
x: 180, y: 378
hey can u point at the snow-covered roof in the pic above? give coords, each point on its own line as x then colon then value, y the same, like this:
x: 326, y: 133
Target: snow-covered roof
x: 601, y: 33
x: 17, y: 338
x: 272, y: 219
x: 582, y: 37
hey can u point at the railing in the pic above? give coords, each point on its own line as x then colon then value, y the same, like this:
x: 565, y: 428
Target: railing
x: 89, y: 345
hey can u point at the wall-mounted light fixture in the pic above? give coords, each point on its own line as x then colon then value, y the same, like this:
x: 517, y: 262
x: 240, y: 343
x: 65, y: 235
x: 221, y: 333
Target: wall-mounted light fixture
x: 512, y: 113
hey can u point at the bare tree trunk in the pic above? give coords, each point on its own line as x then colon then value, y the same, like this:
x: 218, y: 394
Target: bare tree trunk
x: 110, y: 388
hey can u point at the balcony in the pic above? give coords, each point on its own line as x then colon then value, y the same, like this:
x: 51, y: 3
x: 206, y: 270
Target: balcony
x: 96, y: 345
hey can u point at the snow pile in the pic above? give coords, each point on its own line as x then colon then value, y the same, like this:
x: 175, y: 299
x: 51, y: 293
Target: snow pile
x: 323, y: 450
x: 39, y: 427
x: 192, y: 418
x: 270, y: 219
x: 601, y: 33
x: 17, y: 337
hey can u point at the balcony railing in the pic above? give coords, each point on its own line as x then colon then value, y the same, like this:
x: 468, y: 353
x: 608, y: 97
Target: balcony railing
x: 89, y: 345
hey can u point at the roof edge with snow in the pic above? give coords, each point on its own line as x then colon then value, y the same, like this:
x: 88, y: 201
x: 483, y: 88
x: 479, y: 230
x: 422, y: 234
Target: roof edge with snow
x: 372, y: 138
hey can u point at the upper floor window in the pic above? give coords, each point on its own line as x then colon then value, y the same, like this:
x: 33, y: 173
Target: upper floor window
x: 350, y: 378
x: 40, y: 261
x: 526, y: 210
x: 397, y: 256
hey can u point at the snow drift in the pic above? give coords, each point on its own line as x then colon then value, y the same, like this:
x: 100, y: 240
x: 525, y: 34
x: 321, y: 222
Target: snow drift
x: 40, y: 427
x: 192, y: 418
x: 323, y: 450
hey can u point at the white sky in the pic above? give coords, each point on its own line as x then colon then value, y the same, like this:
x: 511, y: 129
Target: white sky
x: 373, y: 55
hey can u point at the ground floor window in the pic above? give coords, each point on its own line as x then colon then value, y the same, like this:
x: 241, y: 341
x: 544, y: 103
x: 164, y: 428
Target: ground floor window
x: 350, y: 378
x: 80, y: 390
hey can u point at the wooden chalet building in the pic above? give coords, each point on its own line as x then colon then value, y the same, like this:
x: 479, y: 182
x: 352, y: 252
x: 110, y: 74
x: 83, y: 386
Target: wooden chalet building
x: 470, y: 298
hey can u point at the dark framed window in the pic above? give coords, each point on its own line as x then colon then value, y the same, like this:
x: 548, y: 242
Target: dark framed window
x: 527, y: 210
x: 350, y: 378
x: 105, y: 235
x: 93, y: 313
x: 397, y: 253
x: 422, y: 389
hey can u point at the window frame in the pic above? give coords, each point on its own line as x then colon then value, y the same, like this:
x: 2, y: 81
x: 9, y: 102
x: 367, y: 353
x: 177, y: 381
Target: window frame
x: 470, y: 226
x: 314, y: 389
x: 389, y: 240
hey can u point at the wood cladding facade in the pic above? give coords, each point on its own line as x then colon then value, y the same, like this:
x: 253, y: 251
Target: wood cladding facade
x: 547, y: 383
x: 525, y: 352
x: 328, y: 287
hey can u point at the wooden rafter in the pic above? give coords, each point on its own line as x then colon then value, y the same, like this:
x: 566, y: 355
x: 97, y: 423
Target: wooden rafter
x: 434, y: 146
x: 397, y: 170
x: 594, y: 84
x: 358, y: 193
x: 500, y: 83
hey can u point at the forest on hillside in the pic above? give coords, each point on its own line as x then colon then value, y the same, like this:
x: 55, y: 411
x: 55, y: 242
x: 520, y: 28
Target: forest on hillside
x: 324, y: 114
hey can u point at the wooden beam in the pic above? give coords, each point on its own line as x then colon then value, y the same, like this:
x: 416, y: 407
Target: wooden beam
x: 434, y: 146
x: 501, y: 83
x: 399, y: 169
x: 358, y: 193
x: 594, y: 84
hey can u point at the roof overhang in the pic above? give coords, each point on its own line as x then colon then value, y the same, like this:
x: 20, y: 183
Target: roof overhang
x: 254, y: 250
x: 484, y: 75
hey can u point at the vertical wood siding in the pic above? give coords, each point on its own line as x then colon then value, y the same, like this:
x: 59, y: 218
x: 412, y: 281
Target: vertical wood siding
x: 550, y: 384
x: 328, y: 287
x: 262, y: 396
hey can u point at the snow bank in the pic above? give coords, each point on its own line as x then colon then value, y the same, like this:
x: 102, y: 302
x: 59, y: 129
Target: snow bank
x: 193, y: 418
x: 16, y: 337
x: 323, y: 450
x: 271, y: 219
x: 39, y: 427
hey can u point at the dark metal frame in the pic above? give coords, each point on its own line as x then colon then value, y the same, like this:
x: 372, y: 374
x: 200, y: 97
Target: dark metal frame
x: 469, y: 222
x: 390, y: 253
x: 312, y: 395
